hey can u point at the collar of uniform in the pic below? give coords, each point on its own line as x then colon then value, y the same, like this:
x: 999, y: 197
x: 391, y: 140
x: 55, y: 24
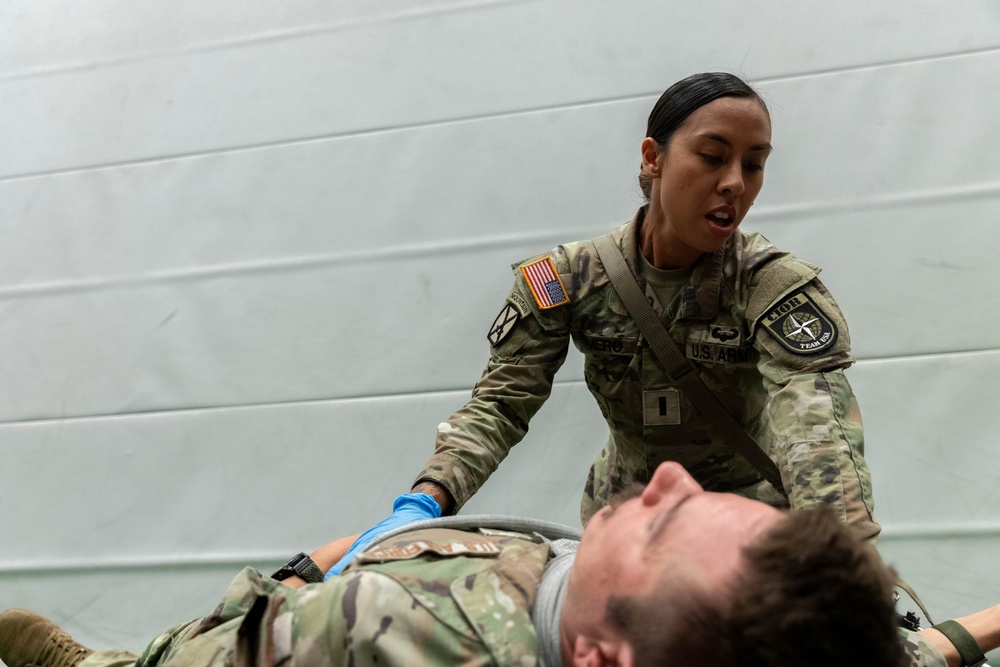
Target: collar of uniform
x: 630, y: 244
x: 549, y: 602
x: 700, y: 298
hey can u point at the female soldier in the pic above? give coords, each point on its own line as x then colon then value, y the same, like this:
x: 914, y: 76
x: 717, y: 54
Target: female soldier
x: 760, y: 329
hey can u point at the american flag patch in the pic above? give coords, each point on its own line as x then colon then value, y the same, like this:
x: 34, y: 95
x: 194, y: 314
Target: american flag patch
x: 545, y: 283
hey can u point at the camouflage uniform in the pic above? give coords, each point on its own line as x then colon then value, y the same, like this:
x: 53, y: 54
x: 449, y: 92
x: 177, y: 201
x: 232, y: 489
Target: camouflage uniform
x: 429, y: 597
x: 781, y: 378
x: 919, y: 651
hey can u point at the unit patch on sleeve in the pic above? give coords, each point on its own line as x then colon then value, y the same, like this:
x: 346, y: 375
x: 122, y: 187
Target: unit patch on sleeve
x: 503, y: 323
x: 545, y: 283
x: 800, y: 325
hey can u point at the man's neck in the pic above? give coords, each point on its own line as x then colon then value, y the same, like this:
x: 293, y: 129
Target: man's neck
x: 547, y: 612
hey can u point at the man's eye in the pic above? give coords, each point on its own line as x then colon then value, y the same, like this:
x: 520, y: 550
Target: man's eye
x: 711, y: 159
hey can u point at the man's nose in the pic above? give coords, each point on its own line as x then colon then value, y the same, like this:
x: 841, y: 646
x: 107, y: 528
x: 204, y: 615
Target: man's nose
x: 671, y: 481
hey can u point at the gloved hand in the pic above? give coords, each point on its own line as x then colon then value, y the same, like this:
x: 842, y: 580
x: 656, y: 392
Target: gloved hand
x: 406, y: 509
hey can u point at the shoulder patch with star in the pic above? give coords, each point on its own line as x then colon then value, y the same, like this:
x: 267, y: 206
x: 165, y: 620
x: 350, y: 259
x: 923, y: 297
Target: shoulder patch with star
x: 800, y: 325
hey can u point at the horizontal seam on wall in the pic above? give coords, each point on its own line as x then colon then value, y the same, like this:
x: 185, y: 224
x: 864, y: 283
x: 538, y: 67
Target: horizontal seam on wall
x: 416, y: 394
x: 333, y: 136
x: 339, y: 26
x: 927, y: 355
x: 261, y: 38
x: 307, y: 263
x: 451, y: 121
x: 250, y: 406
x: 925, y: 196
x: 151, y: 563
x: 880, y: 65
x: 913, y: 531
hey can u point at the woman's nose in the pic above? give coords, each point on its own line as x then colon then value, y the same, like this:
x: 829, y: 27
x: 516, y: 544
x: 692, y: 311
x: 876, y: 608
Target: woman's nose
x: 732, y: 180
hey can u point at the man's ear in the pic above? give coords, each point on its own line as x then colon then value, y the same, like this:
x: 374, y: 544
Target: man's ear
x: 589, y: 652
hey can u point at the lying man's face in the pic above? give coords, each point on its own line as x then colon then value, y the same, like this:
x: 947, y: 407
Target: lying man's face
x: 673, y: 523
x: 714, y: 578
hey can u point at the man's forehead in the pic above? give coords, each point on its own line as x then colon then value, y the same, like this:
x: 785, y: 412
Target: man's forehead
x: 723, y: 515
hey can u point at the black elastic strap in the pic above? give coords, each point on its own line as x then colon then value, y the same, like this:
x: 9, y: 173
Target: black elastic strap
x: 968, y: 648
x: 678, y: 367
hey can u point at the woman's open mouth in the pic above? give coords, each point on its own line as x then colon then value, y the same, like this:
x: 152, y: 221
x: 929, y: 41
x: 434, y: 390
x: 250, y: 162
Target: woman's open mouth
x: 721, y: 220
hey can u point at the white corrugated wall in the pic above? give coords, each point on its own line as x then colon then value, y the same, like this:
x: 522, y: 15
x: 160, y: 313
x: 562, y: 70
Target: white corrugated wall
x: 249, y: 255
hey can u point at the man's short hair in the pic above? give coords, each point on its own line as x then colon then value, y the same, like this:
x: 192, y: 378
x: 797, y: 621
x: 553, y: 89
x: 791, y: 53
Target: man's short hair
x: 810, y: 592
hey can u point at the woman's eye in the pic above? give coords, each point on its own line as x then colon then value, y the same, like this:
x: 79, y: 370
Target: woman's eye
x: 753, y: 166
x: 711, y: 159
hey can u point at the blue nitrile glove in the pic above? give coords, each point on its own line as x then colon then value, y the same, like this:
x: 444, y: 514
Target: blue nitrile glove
x: 407, y: 508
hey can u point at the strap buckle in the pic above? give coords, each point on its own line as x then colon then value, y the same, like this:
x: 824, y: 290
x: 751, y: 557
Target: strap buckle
x: 302, y: 566
x: 678, y: 376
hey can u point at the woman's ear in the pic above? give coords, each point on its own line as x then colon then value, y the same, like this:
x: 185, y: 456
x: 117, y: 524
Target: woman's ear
x: 651, y: 153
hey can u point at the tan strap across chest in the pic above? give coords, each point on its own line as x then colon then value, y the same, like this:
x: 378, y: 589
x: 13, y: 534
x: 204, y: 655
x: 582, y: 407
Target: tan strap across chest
x: 676, y: 366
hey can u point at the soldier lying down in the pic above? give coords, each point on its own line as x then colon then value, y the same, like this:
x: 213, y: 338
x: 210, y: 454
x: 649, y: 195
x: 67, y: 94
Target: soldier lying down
x: 669, y: 573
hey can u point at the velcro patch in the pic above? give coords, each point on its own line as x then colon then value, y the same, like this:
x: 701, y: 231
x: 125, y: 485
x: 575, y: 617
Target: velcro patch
x: 519, y: 302
x: 417, y: 547
x: 545, y: 283
x: 719, y: 354
x: 800, y: 325
x: 610, y: 344
x: 723, y: 335
x: 661, y: 408
x: 503, y: 323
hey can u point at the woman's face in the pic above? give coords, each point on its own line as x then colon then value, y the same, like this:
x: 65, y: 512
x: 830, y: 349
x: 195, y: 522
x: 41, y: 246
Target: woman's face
x: 706, y: 179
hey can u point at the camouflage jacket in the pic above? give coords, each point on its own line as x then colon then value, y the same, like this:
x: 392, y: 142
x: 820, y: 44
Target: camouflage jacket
x: 919, y: 651
x: 426, y: 598
x: 764, y: 334
x: 430, y: 597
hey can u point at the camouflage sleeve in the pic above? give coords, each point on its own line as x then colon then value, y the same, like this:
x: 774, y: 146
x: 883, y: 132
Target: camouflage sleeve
x: 234, y: 633
x: 367, y: 618
x: 811, y: 424
x: 524, y: 358
x: 360, y: 618
x: 920, y: 652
